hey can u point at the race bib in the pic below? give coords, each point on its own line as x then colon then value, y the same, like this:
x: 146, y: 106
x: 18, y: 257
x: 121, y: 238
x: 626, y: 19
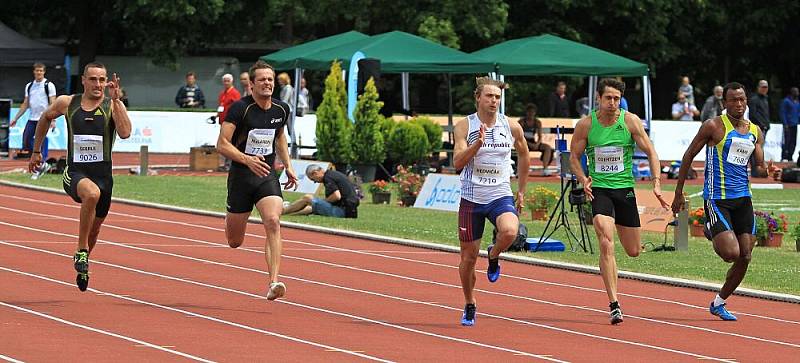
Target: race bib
x: 87, y: 148
x: 259, y: 142
x: 488, y: 174
x: 608, y: 159
x: 740, y: 150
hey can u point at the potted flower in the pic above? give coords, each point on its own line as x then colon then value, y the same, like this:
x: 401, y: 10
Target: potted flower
x: 796, y: 235
x: 697, y: 218
x: 539, y: 200
x: 408, y: 185
x: 769, y: 232
x: 381, y: 192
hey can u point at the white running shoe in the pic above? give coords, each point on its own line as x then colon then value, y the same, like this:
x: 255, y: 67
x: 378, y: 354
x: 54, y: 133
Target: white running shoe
x: 276, y: 290
x: 43, y: 169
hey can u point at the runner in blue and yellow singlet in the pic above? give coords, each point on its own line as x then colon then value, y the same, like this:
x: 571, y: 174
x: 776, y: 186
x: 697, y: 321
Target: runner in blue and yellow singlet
x: 608, y: 136
x: 729, y: 140
x: 93, y: 123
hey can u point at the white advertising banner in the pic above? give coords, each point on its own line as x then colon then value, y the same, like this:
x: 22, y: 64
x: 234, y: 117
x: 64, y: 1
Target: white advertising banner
x: 304, y: 184
x: 672, y: 138
x: 440, y: 191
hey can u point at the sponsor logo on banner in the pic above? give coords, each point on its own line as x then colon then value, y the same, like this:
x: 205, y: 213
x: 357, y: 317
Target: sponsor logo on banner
x: 440, y: 191
x: 304, y: 184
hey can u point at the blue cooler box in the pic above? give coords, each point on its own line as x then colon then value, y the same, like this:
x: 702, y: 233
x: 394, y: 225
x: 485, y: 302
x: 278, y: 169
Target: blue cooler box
x: 548, y: 245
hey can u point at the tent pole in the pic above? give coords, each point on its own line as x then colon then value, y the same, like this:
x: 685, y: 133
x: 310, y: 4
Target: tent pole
x: 298, y: 73
x: 502, y: 96
x: 648, y: 106
x: 592, y: 88
x: 404, y: 77
x: 450, y: 115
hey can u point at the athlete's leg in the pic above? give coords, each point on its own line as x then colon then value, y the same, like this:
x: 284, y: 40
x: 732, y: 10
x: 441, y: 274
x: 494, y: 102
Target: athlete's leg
x: 235, y: 227
x: 737, y: 271
x: 604, y: 228
x: 89, y: 194
x: 726, y: 245
x: 299, y: 206
x: 466, y: 268
x: 95, y: 232
x: 631, y: 239
x: 507, y: 225
x: 270, y: 209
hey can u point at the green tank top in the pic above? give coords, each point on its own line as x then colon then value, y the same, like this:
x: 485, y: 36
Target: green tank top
x: 610, y: 153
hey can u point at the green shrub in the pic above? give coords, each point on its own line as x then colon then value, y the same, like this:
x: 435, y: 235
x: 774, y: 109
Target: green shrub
x: 408, y: 143
x: 368, y: 144
x: 334, y: 130
x: 432, y: 130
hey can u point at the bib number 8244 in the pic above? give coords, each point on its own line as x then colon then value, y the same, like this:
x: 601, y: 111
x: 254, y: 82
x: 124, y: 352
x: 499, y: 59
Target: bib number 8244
x: 609, y: 168
x: 87, y: 157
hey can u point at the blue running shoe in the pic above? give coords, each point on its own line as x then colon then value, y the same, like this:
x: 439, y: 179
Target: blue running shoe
x: 468, y: 318
x: 721, y: 312
x: 493, y: 272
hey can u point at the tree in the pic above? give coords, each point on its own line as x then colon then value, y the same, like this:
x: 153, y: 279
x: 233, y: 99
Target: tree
x: 368, y: 143
x: 333, y: 128
x: 439, y: 30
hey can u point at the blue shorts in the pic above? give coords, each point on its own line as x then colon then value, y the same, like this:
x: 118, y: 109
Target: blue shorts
x: 472, y: 216
x: 325, y: 208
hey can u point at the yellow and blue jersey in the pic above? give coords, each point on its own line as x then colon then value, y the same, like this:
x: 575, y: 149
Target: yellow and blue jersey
x: 726, y: 163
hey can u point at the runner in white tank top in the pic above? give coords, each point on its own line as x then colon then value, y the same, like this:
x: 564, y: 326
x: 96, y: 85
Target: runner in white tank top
x: 487, y: 176
x: 483, y: 144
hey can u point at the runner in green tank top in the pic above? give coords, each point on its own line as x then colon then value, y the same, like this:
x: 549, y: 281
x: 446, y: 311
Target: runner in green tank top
x: 608, y: 136
x: 91, y: 127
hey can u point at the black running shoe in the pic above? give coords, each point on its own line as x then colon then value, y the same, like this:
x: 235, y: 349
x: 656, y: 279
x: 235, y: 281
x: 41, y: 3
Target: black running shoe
x: 616, y: 313
x: 468, y: 317
x: 82, y: 280
x: 81, y: 260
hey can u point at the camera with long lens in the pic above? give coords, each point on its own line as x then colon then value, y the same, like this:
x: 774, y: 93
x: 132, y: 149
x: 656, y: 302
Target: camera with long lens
x: 577, y: 196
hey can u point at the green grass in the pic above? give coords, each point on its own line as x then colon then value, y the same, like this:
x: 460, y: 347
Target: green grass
x: 772, y: 269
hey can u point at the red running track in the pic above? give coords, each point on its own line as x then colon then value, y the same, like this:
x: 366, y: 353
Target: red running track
x: 165, y: 286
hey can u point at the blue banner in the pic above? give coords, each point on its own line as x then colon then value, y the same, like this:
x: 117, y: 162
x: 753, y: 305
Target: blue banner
x: 352, y: 84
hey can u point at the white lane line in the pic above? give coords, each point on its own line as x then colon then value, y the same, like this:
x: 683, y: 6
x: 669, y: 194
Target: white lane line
x: 9, y: 359
x: 186, y: 312
x: 552, y: 303
x: 284, y: 301
x: 675, y: 302
x: 550, y: 327
x: 101, y: 331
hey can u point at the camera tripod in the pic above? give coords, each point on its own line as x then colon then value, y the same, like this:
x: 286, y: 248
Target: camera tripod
x: 577, y: 199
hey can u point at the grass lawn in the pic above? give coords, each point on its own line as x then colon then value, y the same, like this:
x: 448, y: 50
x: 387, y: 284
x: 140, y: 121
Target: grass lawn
x: 772, y: 269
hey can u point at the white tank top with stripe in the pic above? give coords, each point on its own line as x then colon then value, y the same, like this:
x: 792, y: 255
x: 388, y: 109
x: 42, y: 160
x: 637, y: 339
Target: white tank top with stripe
x: 487, y: 177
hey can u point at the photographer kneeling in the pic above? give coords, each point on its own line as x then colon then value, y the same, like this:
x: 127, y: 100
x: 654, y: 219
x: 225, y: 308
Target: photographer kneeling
x: 340, y: 200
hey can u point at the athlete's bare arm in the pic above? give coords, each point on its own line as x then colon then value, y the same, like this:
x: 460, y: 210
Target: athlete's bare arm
x: 463, y: 153
x: 118, y: 111
x: 642, y: 140
x: 282, y: 150
x: 523, y: 162
x: 255, y: 163
x: 704, y: 137
x: 576, y: 149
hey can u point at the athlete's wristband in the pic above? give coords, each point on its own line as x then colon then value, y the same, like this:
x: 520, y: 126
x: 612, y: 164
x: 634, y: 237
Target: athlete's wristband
x: 36, y: 152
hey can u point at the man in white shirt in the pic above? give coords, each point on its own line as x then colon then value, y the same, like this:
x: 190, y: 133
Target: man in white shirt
x: 39, y: 94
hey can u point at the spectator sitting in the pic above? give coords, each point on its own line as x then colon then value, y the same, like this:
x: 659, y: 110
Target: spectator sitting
x: 683, y: 110
x: 532, y: 128
x: 687, y: 89
x: 340, y: 200
x: 190, y: 95
x: 713, y: 106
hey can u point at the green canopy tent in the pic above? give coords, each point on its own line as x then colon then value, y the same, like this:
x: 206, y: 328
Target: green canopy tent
x: 401, y: 52
x: 287, y: 59
x: 550, y: 55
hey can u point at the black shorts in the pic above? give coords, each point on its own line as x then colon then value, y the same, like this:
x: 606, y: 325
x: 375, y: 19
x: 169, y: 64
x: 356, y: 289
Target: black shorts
x: 730, y: 215
x: 245, y: 189
x: 619, y: 204
x: 72, y: 177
